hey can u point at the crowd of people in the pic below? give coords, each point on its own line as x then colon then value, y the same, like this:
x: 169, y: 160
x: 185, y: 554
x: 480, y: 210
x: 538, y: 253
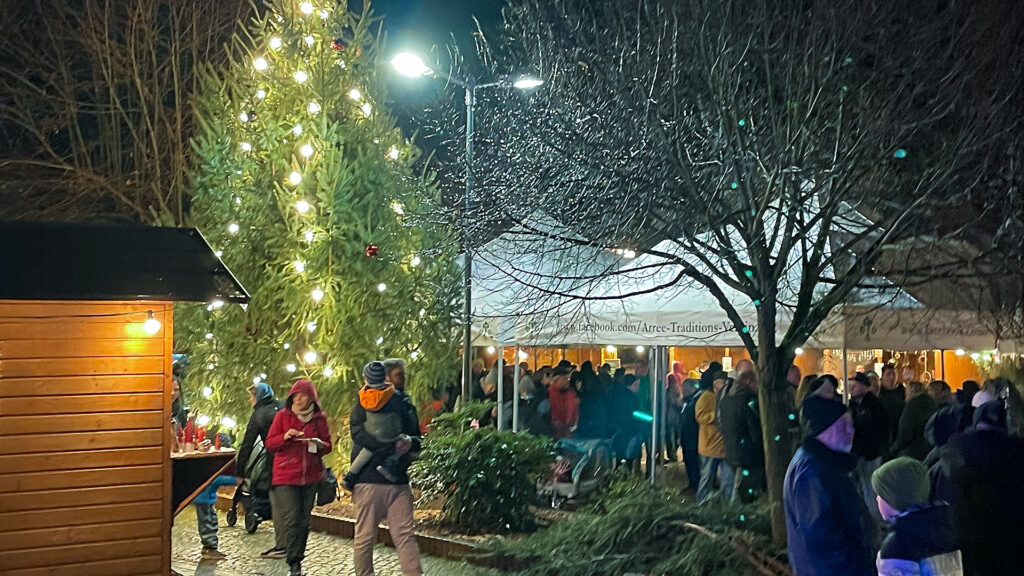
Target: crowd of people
x: 385, y: 433
x: 900, y: 478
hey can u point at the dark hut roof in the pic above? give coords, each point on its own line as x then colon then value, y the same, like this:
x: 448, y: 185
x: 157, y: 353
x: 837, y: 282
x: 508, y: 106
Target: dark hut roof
x: 61, y: 261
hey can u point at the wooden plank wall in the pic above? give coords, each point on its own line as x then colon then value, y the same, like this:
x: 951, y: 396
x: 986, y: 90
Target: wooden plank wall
x: 84, y: 470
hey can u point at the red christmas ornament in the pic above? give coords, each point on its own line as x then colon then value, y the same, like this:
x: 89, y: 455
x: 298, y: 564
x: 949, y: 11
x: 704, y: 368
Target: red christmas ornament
x: 372, y: 250
x: 337, y: 45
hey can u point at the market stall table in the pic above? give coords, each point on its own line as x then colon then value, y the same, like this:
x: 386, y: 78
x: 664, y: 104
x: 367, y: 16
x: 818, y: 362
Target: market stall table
x: 192, y: 472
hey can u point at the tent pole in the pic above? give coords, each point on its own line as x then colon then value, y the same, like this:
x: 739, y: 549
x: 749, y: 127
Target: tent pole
x: 846, y: 372
x: 652, y: 373
x: 501, y: 384
x: 942, y: 363
x: 515, y: 394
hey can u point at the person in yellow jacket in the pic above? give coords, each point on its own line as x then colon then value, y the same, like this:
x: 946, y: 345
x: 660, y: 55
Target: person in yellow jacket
x: 710, y: 445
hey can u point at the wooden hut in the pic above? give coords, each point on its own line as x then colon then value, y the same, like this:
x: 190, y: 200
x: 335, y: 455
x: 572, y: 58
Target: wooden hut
x: 85, y: 392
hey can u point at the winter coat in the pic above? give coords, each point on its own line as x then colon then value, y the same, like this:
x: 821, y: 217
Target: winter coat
x: 689, y: 430
x: 980, y: 474
x: 922, y: 543
x: 871, y: 435
x: 259, y: 425
x: 829, y: 529
x: 564, y: 411
x: 893, y: 401
x: 910, y: 437
x: 535, y: 415
x: 209, y: 494
x: 710, y: 441
x: 741, y: 430
x: 294, y: 464
x: 399, y: 403
x: 627, y: 428
x: 593, y: 408
x: 673, y: 399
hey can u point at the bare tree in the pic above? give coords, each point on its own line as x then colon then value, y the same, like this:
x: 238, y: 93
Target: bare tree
x: 96, y: 103
x: 782, y: 148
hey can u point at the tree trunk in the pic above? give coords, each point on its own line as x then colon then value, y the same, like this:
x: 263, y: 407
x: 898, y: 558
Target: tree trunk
x: 775, y: 404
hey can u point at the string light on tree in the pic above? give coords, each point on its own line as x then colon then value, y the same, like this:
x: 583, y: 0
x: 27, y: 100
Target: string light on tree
x: 382, y: 287
x: 295, y: 178
x: 299, y: 266
x: 261, y: 93
x: 306, y: 8
x: 290, y: 368
x: 260, y: 63
x: 300, y: 76
x: 297, y: 129
x: 306, y: 150
x: 246, y: 147
x: 317, y: 294
x: 206, y: 392
x: 208, y: 335
x: 203, y: 420
x: 310, y: 236
x: 243, y: 116
x: 393, y: 153
x: 309, y: 356
x: 302, y: 206
x: 367, y: 109
x: 415, y: 261
x: 328, y: 371
x: 313, y: 108
x: 275, y: 42
x: 310, y: 326
x: 233, y: 228
x: 355, y: 94
x: 309, y: 40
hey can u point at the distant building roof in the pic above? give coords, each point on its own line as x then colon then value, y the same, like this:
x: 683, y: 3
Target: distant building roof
x: 61, y: 261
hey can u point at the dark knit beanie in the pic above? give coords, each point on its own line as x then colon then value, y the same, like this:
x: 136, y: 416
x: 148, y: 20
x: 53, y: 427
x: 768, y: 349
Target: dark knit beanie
x: 817, y: 414
x: 374, y: 373
x: 707, y: 378
x: 902, y: 482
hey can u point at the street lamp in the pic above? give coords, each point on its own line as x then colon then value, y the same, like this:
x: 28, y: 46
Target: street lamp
x: 412, y: 66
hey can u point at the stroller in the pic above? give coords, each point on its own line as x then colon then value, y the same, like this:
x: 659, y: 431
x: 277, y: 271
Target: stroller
x: 254, y: 493
x: 581, y: 467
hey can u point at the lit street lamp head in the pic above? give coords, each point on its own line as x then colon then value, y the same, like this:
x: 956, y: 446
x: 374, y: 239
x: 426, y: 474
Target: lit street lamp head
x: 411, y: 65
x: 527, y: 82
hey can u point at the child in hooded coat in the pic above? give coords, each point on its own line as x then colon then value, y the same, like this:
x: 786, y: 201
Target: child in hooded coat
x: 384, y: 424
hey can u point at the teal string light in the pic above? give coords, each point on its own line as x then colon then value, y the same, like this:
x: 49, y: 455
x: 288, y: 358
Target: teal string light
x: 734, y: 185
x: 900, y: 153
x: 749, y: 273
x: 743, y: 122
x: 757, y: 302
x: 745, y: 330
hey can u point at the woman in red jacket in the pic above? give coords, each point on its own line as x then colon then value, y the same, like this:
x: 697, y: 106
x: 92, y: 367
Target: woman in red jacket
x: 564, y: 402
x: 298, y: 438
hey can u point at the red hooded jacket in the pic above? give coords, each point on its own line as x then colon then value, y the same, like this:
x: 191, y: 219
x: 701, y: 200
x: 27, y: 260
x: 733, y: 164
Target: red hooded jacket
x: 294, y: 464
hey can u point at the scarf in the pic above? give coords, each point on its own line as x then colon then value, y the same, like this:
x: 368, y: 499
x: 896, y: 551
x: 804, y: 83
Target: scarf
x: 306, y: 415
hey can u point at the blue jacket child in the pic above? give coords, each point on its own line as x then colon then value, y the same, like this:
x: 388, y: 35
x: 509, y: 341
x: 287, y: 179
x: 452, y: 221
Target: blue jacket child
x: 206, y: 515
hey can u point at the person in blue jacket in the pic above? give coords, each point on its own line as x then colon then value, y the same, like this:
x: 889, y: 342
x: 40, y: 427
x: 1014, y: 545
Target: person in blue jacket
x: 206, y: 515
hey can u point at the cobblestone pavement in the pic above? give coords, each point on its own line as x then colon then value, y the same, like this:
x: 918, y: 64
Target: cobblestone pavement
x: 325, y: 555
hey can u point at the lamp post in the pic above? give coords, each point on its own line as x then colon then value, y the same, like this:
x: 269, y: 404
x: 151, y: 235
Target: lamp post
x: 412, y: 66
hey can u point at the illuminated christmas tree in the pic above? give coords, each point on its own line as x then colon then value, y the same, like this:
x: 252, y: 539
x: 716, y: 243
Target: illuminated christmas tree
x: 307, y: 188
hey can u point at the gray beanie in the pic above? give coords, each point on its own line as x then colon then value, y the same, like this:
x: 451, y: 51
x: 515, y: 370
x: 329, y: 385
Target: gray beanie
x: 374, y: 373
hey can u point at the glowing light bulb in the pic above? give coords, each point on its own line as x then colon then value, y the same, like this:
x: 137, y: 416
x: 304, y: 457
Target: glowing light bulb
x: 799, y: 351
x: 393, y: 153
x: 218, y: 253
x: 415, y: 261
x: 290, y: 367
x: 295, y: 178
x: 317, y: 294
x: 610, y: 349
x: 300, y: 76
x: 209, y: 335
x: 243, y: 116
x: 300, y: 266
x: 355, y: 94
x: 309, y: 357
x: 261, y: 93
x: 233, y: 228
x: 490, y: 349
x: 260, y: 63
x: 203, y: 420
x: 324, y: 14
x: 210, y: 366
x: 398, y: 208
x: 207, y: 391
x: 302, y: 206
x: 228, y: 422
x: 286, y: 346
x: 275, y: 42
x: 311, y: 327
x: 367, y: 109
x: 151, y: 325
x: 310, y: 235
x: 306, y: 7
x: 422, y: 312
x: 297, y: 129
x: 523, y: 355
x: 328, y: 371
x: 306, y: 150
x: 414, y: 354
x: 217, y: 304
x: 380, y: 340
x: 640, y: 349
x: 246, y: 147
x: 960, y: 352
x: 382, y: 287
x: 627, y: 253
x: 255, y: 380
x: 309, y: 40
x: 975, y: 355
x: 313, y: 108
